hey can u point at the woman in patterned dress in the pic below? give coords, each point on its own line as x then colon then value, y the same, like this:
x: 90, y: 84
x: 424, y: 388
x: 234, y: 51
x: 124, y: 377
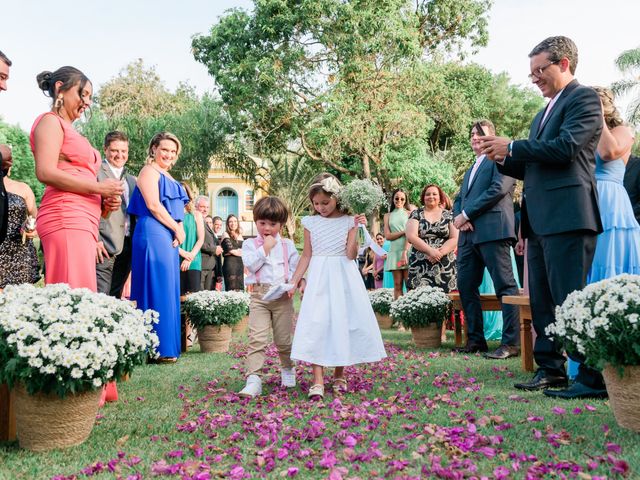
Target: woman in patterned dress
x: 433, y: 237
x: 18, y: 257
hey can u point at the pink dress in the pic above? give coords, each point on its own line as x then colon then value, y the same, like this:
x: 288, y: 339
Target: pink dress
x: 379, y: 265
x: 68, y: 222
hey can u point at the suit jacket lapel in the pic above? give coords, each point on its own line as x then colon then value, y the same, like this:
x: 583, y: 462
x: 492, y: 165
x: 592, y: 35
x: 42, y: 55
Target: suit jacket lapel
x: 107, y: 171
x: 556, y: 107
x: 481, y: 167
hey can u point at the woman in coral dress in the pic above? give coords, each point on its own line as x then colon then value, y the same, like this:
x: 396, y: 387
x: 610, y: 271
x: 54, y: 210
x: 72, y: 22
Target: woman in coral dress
x: 67, y: 164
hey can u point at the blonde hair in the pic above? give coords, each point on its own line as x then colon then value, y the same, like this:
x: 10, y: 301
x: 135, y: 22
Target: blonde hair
x: 611, y: 114
x: 155, y: 142
x: 189, y: 206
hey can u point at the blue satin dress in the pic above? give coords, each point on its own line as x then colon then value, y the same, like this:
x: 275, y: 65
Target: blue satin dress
x: 155, y: 276
x: 618, y: 246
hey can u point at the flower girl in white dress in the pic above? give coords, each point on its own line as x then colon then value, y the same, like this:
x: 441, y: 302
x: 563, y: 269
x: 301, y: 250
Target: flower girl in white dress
x: 336, y: 326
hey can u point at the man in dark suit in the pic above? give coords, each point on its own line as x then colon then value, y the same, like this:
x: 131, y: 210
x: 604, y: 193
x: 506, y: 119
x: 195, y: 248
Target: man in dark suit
x: 6, y: 159
x: 113, y: 255
x: 483, y: 213
x: 632, y: 184
x: 560, y: 216
x: 210, y: 250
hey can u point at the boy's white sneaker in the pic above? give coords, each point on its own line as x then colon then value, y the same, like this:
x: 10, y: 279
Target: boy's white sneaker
x: 253, y: 388
x: 288, y: 377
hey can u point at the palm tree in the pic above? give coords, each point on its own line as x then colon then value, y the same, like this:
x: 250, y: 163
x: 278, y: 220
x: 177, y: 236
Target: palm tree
x: 289, y: 179
x: 628, y: 62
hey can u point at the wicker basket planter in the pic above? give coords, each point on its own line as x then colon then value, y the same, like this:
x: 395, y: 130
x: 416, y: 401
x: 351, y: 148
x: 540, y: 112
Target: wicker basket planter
x: 214, y: 338
x: 241, y: 327
x: 624, y: 395
x: 384, y: 321
x: 46, y: 421
x: 427, y: 337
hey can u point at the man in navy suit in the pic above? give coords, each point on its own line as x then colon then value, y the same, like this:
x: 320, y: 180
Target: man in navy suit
x: 632, y: 184
x: 560, y: 216
x: 484, y: 215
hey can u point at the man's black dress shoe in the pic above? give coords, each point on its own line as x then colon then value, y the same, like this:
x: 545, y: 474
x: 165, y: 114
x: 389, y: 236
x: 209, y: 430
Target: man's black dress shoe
x: 471, y: 348
x: 577, y: 390
x: 543, y: 380
x: 503, y: 352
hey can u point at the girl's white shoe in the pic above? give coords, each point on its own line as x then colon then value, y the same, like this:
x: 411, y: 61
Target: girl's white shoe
x: 316, y: 390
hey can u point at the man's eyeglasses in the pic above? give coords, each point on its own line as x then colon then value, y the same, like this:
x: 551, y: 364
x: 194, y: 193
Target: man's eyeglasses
x: 537, y: 73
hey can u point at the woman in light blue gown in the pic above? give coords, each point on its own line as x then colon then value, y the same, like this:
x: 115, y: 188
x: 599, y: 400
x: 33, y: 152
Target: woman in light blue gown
x: 618, y: 246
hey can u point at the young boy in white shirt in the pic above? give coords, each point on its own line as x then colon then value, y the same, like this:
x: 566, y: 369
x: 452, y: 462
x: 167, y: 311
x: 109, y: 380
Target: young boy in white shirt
x: 270, y: 260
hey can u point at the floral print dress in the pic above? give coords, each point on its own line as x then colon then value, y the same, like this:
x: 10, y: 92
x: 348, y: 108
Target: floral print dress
x: 421, y: 270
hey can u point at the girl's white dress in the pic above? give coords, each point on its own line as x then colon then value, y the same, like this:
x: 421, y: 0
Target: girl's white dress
x: 336, y: 326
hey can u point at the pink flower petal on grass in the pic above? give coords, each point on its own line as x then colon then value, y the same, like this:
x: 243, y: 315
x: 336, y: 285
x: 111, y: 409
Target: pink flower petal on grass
x: 558, y: 410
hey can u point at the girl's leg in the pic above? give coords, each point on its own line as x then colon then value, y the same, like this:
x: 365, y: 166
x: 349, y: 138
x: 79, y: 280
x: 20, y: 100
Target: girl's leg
x: 398, y: 277
x: 339, y: 382
x: 318, y: 374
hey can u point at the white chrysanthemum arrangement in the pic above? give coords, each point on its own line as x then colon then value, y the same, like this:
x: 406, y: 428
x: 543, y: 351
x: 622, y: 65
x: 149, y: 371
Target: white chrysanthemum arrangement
x: 59, y: 340
x: 601, y: 322
x: 421, y: 307
x: 210, y: 307
x: 362, y: 196
x: 381, y: 299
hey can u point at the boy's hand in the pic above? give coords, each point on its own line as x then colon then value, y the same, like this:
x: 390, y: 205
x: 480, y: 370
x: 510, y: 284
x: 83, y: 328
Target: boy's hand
x: 269, y: 243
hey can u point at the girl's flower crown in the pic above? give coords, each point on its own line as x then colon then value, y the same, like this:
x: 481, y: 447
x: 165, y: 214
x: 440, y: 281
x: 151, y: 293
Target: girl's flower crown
x: 329, y: 185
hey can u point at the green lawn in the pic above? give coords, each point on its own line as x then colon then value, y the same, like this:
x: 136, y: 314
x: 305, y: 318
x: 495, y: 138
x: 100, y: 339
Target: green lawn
x: 417, y: 413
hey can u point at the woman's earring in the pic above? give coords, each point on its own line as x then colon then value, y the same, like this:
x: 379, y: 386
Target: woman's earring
x: 59, y: 102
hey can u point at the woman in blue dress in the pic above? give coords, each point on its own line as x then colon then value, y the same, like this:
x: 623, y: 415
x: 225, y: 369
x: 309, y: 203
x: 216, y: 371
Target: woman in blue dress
x: 618, y: 246
x: 158, y: 202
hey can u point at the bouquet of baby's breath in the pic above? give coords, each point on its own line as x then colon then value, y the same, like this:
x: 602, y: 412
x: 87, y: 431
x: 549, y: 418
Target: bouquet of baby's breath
x: 421, y: 307
x: 381, y: 299
x: 601, y: 322
x: 210, y: 307
x: 362, y: 197
x: 59, y: 340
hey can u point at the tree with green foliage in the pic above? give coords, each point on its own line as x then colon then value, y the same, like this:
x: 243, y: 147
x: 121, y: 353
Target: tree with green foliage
x: 333, y: 81
x: 138, y: 103
x: 628, y: 62
x: 289, y: 178
x: 201, y: 129
x: 24, y: 167
x: 138, y: 91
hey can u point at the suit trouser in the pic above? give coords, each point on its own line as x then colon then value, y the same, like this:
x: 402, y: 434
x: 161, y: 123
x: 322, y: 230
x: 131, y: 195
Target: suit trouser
x: 263, y: 317
x: 558, y: 265
x: 471, y: 262
x: 208, y: 280
x: 113, y: 272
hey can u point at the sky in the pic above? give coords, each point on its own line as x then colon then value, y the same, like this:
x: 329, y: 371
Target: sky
x: 101, y: 38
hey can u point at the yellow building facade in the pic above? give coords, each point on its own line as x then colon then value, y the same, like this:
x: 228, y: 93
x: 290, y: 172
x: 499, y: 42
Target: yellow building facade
x: 230, y: 195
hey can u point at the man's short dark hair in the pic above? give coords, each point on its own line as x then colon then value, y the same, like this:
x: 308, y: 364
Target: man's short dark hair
x: 558, y: 48
x: 484, y: 123
x: 115, y: 136
x: 272, y: 209
x: 5, y: 59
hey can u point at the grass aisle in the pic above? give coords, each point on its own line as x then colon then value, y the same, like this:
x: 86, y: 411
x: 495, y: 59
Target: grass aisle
x: 416, y: 414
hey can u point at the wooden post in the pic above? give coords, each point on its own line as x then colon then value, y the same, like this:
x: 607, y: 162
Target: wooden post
x: 7, y: 415
x: 526, y: 338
